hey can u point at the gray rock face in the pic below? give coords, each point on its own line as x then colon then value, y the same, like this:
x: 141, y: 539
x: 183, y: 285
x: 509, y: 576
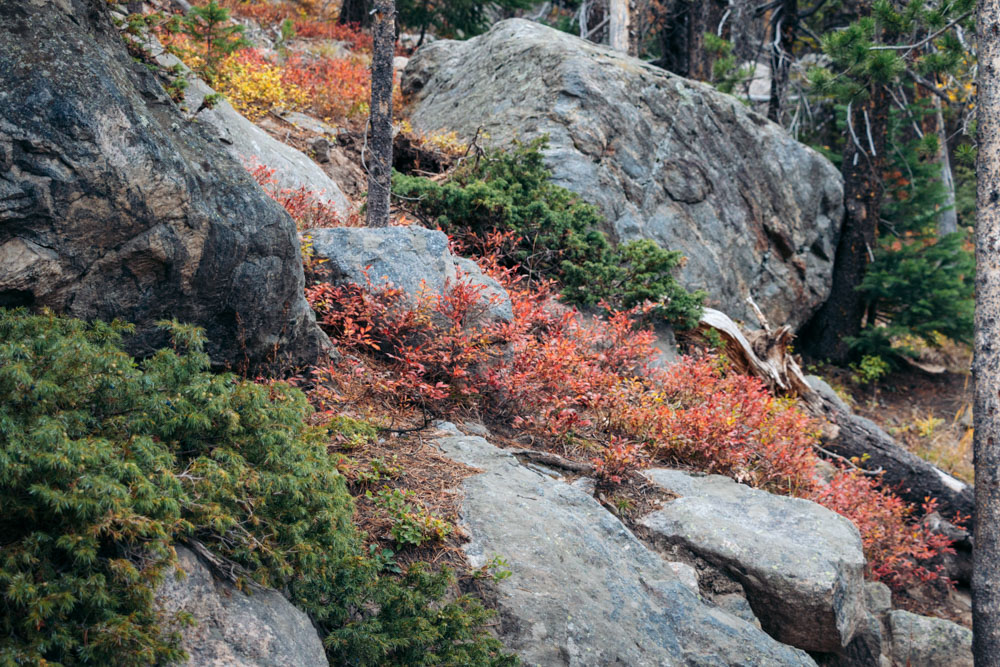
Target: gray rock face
x: 800, y: 564
x: 233, y: 629
x: 410, y: 258
x: 921, y: 641
x: 667, y: 159
x: 111, y: 205
x: 584, y: 590
x: 248, y: 143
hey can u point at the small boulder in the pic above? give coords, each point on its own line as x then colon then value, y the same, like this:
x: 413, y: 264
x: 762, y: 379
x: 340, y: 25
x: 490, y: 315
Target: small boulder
x: 234, y: 629
x: 413, y: 258
x: 922, y: 641
x: 800, y: 564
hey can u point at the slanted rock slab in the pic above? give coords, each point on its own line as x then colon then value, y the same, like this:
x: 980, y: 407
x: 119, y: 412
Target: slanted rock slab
x: 233, y: 629
x: 800, y: 564
x: 583, y: 589
x: 413, y: 258
x: 665, y: 158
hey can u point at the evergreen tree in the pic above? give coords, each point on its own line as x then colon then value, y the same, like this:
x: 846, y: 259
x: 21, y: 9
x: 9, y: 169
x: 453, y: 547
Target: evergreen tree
x: 454, y: 18
x: 879, y: 51
x: 210, y: 25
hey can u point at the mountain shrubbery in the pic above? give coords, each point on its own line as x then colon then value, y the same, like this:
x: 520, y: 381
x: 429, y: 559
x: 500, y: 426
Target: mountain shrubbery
x: 558, y: 235
x: 586, y: 388
x: 104, y: 463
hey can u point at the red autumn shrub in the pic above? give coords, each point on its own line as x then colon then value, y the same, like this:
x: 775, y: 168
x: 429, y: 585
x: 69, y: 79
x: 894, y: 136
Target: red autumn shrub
x: 351, y: 34
x: 338, y: 88
x: 573, y: 383
x: 617, y: 460
x: 897, y: 547
x: 307, y: 209
x: 432, y: 348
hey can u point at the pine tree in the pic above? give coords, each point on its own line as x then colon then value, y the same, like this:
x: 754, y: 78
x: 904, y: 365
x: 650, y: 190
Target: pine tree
x: 879, y: 51
x: 210, y: 25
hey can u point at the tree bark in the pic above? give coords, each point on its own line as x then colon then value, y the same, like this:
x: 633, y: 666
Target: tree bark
x: 618, y: 25
x: 986, y: 358
x: 380, y: 117
x: 841, y: 317
x: 704, y: 17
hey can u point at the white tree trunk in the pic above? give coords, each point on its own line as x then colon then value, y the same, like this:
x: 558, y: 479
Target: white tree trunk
x: 986, y: 360
x: 618, y: 19
x: 948, y: 218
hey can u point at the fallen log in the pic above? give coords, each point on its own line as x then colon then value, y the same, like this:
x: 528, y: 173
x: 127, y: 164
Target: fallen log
x: 764, y: 354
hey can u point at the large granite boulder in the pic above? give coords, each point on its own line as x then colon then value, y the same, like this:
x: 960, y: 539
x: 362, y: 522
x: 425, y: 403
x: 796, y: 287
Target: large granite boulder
x: 413, y: 258
x: 583, y: 589
x: 801, y: 565
x: 233, y: 629
x: 756, y: 212
x: 112, y: 205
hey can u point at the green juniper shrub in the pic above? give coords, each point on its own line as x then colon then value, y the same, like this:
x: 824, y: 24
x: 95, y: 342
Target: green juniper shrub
x: 559, y: 233
x: 105, y: 462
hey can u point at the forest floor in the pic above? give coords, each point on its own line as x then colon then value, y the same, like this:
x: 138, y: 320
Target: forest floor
x: 928, y: 412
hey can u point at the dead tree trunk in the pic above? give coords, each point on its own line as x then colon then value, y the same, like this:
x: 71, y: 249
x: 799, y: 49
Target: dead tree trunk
x: 986, y: 359
x: 783, y: 24
x: 840, y: 318
x: 356, y: 12
x: 380, y: 117
x: 618, y: 25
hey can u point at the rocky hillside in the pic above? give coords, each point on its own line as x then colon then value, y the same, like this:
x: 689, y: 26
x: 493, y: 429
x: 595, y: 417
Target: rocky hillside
x: 321, y: 443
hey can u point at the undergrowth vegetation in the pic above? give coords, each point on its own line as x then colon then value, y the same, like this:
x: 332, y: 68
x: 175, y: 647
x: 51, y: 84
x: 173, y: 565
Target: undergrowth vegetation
x: 554, y: 232
x: 105, y: 463
x: 586, y: 388
x: 332, y: 84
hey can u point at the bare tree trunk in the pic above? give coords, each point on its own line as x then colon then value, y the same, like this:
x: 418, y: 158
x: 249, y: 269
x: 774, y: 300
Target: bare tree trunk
x: 704, y: 17
x: 986, y: 360
x: 840, y: 318
x: 618, y: 15
x: 948, y: 219
x: 784, y: 21
x: 355, y: 11
x: 380, y: 117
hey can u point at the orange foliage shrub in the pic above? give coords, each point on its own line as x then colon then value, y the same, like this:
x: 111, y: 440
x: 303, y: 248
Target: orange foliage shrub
x: 307, y: 209
x: 896, y: 546
x: 338, y: 88
x: 577, y: 384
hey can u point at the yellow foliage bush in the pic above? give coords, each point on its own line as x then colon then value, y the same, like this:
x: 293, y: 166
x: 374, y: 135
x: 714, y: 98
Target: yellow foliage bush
x: 255, y: 86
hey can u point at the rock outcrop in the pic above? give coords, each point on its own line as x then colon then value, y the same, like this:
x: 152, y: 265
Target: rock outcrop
x: 583, y: 589
x: 233, y: 629
x: 113, y: 206
x: 414, y: 259
x: 801, y: 565
x: 756, y: 213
